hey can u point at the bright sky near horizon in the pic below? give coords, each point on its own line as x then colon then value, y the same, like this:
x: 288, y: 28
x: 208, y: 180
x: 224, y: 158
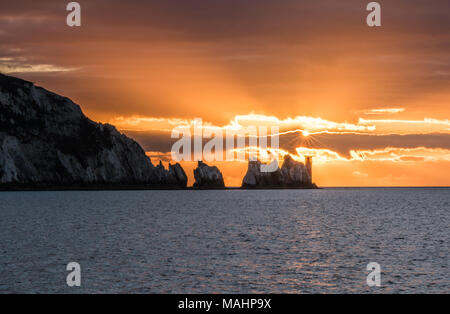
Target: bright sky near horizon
x: 372, y: 103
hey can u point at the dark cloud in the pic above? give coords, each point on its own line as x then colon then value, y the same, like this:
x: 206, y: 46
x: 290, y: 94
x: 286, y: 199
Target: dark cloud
x: 340, y: 143
x: 207, y: 20
x: 344, y: 143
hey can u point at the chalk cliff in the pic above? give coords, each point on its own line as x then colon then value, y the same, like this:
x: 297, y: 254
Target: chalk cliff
x: 46, y: 141
x: 208, y: 176
x: 292, y: 174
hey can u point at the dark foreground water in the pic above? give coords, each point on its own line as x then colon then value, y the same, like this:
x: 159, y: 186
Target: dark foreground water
x: 279, y: 241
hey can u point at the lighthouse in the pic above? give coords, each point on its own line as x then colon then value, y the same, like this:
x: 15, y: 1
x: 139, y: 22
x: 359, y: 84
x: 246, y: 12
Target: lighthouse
x: 308, y: 164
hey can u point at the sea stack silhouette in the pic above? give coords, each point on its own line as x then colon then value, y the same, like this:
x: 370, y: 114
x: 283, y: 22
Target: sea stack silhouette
x: 47, y: 142
x: 292, y: 174
x: 208, y: 177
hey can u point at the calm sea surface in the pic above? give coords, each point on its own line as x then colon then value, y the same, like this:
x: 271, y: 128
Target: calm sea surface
x: 275, y: 241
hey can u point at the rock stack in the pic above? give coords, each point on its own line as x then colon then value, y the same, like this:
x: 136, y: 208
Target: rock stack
x: 207, y: 177
x: 292, y: 174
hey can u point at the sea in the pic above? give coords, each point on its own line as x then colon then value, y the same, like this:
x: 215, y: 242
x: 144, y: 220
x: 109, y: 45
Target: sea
x: 226, y: 241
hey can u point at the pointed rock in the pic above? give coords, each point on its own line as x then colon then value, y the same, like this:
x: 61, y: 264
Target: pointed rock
x: 292, y: 174
x: 208, y: 176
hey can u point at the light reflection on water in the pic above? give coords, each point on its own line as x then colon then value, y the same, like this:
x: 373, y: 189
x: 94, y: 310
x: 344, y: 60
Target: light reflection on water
x: 279, y: 241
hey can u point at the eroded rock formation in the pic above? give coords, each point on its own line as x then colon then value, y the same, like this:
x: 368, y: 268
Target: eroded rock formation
x: 208, y: 176
x: 292, y: 174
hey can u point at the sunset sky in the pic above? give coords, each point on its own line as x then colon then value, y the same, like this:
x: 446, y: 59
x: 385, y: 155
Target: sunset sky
x: 371, y: 104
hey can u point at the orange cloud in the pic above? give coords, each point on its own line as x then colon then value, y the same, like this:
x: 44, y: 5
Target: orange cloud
x: 307, y: 125
x: 389, y: 126
x: 322, y: 156
x: 384, y: 111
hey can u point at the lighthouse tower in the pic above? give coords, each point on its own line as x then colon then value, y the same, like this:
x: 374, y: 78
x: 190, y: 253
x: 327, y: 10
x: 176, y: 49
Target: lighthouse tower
x: 308, y: 164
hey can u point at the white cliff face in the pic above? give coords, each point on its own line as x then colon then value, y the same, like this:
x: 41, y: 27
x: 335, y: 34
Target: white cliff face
x: 8, y: 150
x: 208, y: 177
x: 293, y: 174
x: 46, y: 140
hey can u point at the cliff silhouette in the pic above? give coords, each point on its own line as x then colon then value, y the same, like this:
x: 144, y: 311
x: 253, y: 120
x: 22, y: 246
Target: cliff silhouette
x: 47, y: 142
